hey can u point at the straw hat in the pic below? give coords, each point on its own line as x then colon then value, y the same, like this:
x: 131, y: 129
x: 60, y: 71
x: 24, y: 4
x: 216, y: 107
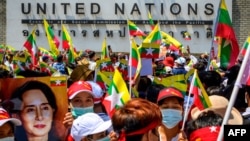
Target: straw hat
x: 81, y: 72
x: 219, y: 106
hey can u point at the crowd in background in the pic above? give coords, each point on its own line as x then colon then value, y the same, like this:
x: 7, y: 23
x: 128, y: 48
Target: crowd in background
x: 156, y: 114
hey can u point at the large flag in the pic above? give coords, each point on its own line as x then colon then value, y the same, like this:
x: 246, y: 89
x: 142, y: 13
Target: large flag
x: 134, y: 30
x: 117, y: 94
x: 52, y: 39
x: 196, y: 88
x: 30, y: 45
x: 150, y: 47
x: 229, y: 48
x: 135, y: 59
x: 104, y: 53
x: 68, y: 45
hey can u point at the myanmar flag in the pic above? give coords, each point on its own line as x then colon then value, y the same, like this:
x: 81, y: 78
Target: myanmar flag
x: 244, y: 48
x: 135, y: 61
x: 229, y: 48
x: 102, y: 80
x: 104, y: 49
x: 134, y: 30
x: 45, y: 52
x: 58, y: 81
x: 105, y: 65
x: 123, y: 68
x: 150, y: 47
x: 151, y: 22
x: 68, y: 45
x: 117, y: 94
x: 52, y: 39
x: 175, y: 44
x: 30, y: 45
x: 245, y: 79
x: 196, y: 88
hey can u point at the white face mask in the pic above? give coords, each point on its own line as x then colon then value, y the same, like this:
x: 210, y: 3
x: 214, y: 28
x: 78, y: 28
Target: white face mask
x: 7, y: 139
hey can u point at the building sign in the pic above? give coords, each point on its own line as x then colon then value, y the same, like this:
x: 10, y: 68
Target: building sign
x: 89, y: 21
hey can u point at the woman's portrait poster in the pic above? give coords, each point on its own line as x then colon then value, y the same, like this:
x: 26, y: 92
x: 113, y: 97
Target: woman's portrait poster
x: 40, y: 103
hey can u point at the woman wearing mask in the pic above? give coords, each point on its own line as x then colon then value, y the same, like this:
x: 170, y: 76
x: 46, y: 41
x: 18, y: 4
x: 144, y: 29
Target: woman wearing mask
x: 170, y: 100
x: 81, y: 101
x: 37, y: 109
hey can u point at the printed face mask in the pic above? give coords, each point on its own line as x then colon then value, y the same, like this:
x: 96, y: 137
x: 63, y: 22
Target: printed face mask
x: 77, y: 111
x: 171, y: 117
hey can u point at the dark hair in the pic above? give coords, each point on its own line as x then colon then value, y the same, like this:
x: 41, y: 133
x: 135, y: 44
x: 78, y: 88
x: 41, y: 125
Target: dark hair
x: 32, y: 73
x: 210, y: 78
x: 136, y: 114
x: 152, y: 92
x: 59, y: 58
x: 205, y: 119
x: 31, y: 85
x: 143, y: 84
x: 91, y: 54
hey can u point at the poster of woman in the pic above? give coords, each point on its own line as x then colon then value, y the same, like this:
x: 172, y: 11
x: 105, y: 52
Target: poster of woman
x: 40, y: 103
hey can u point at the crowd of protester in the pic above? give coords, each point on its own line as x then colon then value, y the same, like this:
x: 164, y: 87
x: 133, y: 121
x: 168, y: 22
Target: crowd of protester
x: 156, y: 114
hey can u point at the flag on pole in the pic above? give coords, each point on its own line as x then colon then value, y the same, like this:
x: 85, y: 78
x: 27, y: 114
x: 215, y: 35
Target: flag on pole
x: 245, y: 79
x: 135, y: 59
x: 134, y: 30
x: 229, y: 48
x: 150, y: 47
x: 105, y: 65
x: 104, y: 49
x: 52, y: 39
x: 201, y: 99
x: 151, y: 22
x: 68, y: 44
x: 244, y: 48
x: 117, y: 95
x: 123, y: 68
x: 172, y: 41
x: 45, y: 52
x: 186, y: 35
x: 30, y: 45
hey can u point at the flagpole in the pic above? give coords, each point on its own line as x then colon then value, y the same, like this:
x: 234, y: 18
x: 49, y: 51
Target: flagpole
x: 215, y: 28
x: 237, y: 85
x: 188, y: 101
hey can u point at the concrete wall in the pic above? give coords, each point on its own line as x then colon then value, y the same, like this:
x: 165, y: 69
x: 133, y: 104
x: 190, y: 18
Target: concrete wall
x: 241, y: 20
x: 2, y: 21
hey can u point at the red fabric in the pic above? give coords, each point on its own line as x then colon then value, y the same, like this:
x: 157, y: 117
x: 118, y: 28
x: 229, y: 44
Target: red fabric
x: 70, y: 138
x: 151, y: 126
x: 169, y: 61
x: 169, y: 92
x: 205, y: 134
